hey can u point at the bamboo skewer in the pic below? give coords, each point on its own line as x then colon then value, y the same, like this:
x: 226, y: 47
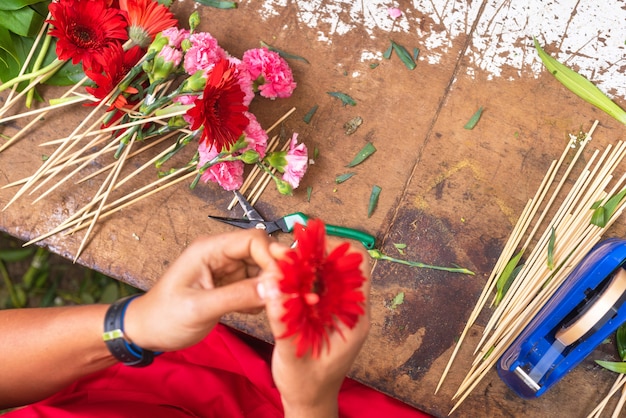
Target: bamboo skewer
x: 74, y: 100
x: 114, y: 174
x: 34, y: 121
x: 255, y: 171
x: 40, y: 172
x: 143, y: 191
x: 536, y: 283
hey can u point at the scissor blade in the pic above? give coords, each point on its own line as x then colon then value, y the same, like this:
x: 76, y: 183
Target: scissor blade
x: 248, y: 209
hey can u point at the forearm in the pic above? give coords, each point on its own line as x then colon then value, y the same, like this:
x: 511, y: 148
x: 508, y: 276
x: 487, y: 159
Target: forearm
x: 44, y: 350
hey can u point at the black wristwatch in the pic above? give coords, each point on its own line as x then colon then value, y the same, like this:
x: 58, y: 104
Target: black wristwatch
x: 121, y: 348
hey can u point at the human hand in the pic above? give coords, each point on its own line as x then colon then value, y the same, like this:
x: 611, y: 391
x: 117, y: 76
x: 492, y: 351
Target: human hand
x: 309, y: 386
x: 213, y: 276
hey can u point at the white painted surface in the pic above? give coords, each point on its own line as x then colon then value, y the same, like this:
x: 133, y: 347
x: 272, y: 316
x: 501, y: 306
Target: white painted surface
x: 590, y: 34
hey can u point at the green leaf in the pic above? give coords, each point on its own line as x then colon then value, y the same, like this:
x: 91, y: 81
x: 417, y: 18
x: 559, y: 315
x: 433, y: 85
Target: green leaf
x: 309, y: 190
x: 345, y: 99
x: 614, y: 366
x: 580, y: 86
x: 23, y: 22
x: 365, y: 152
x: 343, y: 177
x: 18, y: 4
x: 110, y: 293
x: 218, y: 4
x: 404, y: 55
x: 551, y: 242
x: 397, y: 300
x: 18, y: 254
x: 506, y: 274
x: 387, y: 53
x: 309, y: 115
x: 373, y: 200
x: 400, y: 248
x: 620, y: 339
x: 474, y: 119
x: 416, y: 54
x: 602, y: 214
x: 284, y: 54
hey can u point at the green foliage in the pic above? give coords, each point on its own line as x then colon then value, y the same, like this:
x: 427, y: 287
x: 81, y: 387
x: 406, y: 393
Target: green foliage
x: 34, y: 277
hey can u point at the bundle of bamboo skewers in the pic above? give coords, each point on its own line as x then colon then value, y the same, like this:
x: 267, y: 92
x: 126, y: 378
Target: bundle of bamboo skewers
x: 550, y: 248
x: 89, y: 142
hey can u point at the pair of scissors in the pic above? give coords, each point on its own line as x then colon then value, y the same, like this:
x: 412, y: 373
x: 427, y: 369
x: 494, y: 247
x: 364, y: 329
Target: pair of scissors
x: 286, y: 223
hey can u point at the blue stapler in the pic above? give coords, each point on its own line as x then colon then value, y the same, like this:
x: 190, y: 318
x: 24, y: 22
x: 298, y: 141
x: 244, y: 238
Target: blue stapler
x: 587, y: 308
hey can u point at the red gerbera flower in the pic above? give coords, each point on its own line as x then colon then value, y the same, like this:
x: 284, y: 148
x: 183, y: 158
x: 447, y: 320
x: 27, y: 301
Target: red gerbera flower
x: 117, y: 64
x: 85, y: 28
x: 220, y: 109
x: 324, y: 289
x: 146, y: 18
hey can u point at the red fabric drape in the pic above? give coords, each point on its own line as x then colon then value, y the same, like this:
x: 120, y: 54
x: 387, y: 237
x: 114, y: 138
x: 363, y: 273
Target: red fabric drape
x: 225, y: 375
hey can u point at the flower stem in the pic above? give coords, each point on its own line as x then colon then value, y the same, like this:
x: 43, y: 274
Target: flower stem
x: 376, y: 254
x: 37, y: 65
x: 53, y: 66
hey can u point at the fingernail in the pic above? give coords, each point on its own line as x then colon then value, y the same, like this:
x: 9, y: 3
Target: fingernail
x: 267, y: 290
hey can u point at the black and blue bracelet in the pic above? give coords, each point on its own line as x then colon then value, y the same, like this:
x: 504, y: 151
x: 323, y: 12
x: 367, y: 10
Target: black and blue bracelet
x: 123, y: 350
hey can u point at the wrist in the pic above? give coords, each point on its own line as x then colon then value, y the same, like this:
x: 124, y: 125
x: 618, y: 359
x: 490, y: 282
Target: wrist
x: 116, y: 340
x: 327, y: 408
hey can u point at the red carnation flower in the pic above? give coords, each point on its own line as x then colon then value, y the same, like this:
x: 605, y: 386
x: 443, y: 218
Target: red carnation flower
x: 117, y: 64
x: 146, y: 18
x: 220, y: 109
x: 324, y: 289
x: 85, y: 29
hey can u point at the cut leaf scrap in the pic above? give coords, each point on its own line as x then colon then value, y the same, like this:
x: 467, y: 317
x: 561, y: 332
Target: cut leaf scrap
x: 506, y: 276
x: 397, y: 300
x: 343, y: 177
x: 345, y: 99
x: 365, y: 152
x: 551, y: 243
x: 373, y: 200
x: 580, y: 86
x: 602, y: 213
x: 404, y: 55
x: 474, y: 119
x: 218, y: 4
x: 284, y: 54
x: 309, y: 115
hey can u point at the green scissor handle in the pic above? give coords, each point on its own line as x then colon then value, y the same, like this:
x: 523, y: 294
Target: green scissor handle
x: 364, y: 238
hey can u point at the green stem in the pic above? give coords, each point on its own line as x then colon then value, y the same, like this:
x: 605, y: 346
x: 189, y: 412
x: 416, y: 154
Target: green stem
x: 53, y: 66
x: 37, y: 65
x: 380, y: 256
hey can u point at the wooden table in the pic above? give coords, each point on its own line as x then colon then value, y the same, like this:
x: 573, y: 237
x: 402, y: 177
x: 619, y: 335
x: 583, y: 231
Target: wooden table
x: 450, y: 194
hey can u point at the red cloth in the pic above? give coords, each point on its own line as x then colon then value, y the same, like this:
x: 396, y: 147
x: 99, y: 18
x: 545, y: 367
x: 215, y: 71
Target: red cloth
x: 223, y: 376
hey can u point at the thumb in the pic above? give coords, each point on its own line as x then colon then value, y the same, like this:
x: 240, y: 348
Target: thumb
x: 269, y: 290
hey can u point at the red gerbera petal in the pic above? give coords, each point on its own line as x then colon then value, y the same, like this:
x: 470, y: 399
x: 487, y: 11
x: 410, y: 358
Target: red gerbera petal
x: 117, y: 64
x: 85, y: 29
x: 324, y: 289
x: 146, y: 18
x: 220, y: 109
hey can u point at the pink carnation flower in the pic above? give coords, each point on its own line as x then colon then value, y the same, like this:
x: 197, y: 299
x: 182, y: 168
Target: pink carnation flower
x: 175, y: 36
x: 171, y: 55
x: 270, y: 73
x: 394, y: 12
x: 243, y: 79
x: 297, y: 160
x: 256, y: 137
x: 228, y: 174
x: 203, y: 54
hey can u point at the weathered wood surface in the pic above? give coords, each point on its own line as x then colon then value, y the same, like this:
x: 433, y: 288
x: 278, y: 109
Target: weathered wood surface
x: 452, y: 195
